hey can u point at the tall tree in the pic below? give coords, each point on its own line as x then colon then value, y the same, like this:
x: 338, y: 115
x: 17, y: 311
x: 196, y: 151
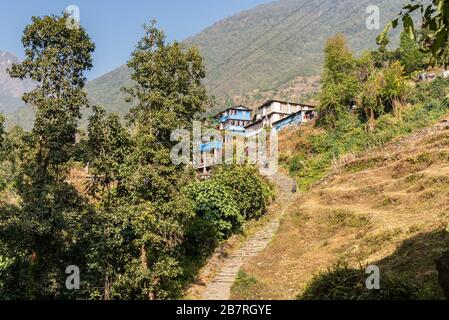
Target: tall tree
x: 411, y: 57
x: 43, y: 230
x: 142, y: 213
x: 339, y: 82
x: 393, y: 88
x: 168, y: 93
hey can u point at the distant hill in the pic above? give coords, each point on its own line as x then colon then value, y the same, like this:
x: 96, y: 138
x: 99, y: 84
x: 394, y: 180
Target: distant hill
x: 274, y: 50
x: 11, y: 90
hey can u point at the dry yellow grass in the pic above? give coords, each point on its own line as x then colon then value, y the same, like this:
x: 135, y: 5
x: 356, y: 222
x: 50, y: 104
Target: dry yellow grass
x: 389, y: 206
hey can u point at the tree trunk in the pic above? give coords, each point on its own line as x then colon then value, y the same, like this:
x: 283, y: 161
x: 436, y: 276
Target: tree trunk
x: 107, y: 288
x: 397, y: 106
x: 144, y: 262
x: 371, y: 119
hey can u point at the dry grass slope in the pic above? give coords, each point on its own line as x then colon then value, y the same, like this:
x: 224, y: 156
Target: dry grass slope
x: 389, y: 207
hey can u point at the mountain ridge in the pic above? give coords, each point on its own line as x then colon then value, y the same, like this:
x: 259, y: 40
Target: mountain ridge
x: 11, y: 89
x: 242, y: 66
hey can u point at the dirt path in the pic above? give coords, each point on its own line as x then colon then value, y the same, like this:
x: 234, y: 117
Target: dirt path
x: 220, y: 286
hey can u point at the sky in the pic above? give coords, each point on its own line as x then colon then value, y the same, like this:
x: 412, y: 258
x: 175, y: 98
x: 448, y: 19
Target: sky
x: 116, y: 25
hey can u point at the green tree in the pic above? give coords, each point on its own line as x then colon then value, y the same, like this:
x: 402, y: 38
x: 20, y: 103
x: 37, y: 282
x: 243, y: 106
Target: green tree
x: 411, y: 56
x: 393, y: 88
x: 339, y: 83
x: 168, y: 93
x: 369, y: 99
x: 215, y: 202
x: 107, y: 147
x: 42, y: 232
x: 141, y: 212
x: 247, y: 187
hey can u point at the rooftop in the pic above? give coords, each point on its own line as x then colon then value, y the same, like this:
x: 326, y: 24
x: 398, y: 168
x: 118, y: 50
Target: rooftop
x: 285, y: 102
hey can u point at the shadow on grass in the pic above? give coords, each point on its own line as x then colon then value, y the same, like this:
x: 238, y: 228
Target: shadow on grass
x: 409, y: 273
x: 414, y: 261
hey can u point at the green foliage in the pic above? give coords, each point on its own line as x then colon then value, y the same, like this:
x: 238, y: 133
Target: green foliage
x: 426, y: 91
x: 339, y: 83
x: 106, y: 149
x: 341, y: 282
x: 248, y: 189
x: 201, y: 238
x: 142, y: 216
x: 410, y: 55
x: 434, y: 26
x: 215, y: 202
x: 42, y: 232
x: 350, y: 136
x: 233, y: 195
x: 128, y: 236
x: 56, y: 57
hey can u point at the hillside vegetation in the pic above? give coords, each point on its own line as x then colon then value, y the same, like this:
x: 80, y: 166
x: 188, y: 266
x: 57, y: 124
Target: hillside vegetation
x: 257, y: 54
x: 374, y: 168
x: 388, y: 207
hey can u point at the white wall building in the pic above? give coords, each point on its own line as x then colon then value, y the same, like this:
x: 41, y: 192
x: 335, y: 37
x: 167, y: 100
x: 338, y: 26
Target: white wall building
x: 273, y: 111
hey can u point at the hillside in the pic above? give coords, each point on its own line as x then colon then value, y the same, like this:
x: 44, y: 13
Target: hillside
x: 388, y: 207
x: 271, y: 51
x: 11, y: 90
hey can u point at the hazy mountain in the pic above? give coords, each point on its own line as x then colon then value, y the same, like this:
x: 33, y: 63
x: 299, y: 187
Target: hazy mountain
x: 272, y: 50
x: 11, y: 90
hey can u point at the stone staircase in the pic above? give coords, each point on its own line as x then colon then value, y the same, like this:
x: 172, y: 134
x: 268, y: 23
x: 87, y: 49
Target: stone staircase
x: 220, y: 287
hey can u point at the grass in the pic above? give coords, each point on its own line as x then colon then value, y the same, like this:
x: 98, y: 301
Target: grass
x: 345, y: 218
x: 393, y: 214
x: 246, y: 287
x: 316, y: 151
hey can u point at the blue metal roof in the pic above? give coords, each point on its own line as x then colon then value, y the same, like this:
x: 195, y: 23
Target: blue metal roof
x: 209, y: 146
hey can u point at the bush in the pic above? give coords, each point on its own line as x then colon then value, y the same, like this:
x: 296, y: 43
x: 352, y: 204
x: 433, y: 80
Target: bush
x: 215, y: 202
x: 201, y: 238
x: 344, y: 283
x: 247, y: 188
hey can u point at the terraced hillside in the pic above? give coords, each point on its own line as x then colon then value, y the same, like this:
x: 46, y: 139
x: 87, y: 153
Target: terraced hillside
x: 388, y: 206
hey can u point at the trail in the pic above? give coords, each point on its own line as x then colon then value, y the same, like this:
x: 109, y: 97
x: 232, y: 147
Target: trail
x: 219, y: 288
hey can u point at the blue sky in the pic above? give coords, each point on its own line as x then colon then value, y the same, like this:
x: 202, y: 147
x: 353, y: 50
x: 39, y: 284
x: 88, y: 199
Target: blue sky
x: 115, y: 25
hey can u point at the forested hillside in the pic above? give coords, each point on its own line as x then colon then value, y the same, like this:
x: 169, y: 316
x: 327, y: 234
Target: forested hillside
x: 270, y: 51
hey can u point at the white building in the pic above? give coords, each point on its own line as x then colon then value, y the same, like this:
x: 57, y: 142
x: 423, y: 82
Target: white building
x: 273, y: 111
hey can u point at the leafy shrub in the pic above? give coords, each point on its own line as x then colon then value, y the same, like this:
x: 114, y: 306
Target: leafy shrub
x: 437, y: 89
x: 214, y: 202
x: 246, y: 287
x: 201, y: 238
x: 344, y: 283
x: 247, y: 188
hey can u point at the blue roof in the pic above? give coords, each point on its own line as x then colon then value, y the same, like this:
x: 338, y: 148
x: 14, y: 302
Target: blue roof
x: 209, y: 146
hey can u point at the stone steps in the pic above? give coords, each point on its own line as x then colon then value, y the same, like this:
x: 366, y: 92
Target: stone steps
x: 220, y: 287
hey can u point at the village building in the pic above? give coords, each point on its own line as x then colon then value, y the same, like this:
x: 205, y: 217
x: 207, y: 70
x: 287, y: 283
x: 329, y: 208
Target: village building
x: 296, y: 118
x: 237, y: 122
x: 232, y: 122
x: 273, y: 111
